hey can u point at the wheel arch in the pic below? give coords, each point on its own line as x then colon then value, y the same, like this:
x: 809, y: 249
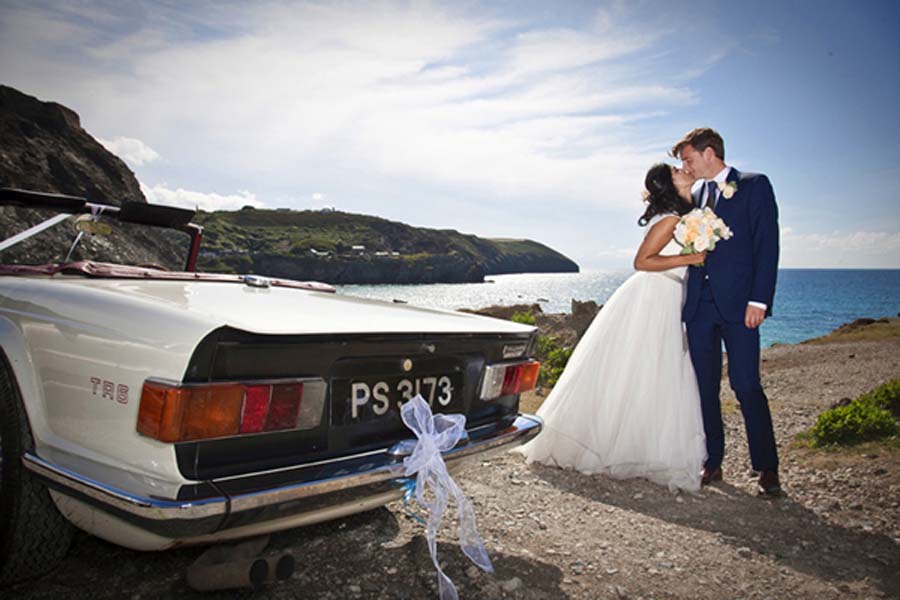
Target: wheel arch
x: 15, y: 357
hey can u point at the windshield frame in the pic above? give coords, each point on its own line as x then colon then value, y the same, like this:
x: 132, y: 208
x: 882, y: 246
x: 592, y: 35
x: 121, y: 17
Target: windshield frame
x: 142, y: 213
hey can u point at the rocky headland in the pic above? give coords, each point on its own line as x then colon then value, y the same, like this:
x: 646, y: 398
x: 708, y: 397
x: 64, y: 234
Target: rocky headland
x: 46, y: 149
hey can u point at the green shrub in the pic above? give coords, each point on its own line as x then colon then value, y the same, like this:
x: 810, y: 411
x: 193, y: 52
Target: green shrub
x: 885, y: 396
x: 865, y: 419
x: 525, y: 318
x: 553, y: 357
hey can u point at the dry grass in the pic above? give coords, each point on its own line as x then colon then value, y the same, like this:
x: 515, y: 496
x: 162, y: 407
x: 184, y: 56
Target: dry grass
x: 880, y: 330
x: 529, y: 402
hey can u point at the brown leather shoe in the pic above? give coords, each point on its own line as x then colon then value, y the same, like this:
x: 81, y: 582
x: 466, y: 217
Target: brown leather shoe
x: 710, y: 475
x: 769, y: 485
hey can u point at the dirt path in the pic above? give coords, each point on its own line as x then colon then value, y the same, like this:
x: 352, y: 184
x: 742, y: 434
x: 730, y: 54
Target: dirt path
x: 559, y: 534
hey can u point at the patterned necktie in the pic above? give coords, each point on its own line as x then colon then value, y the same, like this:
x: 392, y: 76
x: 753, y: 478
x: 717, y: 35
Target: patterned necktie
x: 711, y: 188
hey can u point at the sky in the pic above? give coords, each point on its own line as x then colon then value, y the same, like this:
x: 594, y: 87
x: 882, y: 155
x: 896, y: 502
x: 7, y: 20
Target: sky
x: 515, y: 119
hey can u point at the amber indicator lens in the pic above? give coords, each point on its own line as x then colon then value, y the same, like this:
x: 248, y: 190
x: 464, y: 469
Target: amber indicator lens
x: 508, y: 379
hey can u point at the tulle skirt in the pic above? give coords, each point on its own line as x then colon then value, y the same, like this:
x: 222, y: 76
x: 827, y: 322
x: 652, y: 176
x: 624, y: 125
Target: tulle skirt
x: 627, y: 404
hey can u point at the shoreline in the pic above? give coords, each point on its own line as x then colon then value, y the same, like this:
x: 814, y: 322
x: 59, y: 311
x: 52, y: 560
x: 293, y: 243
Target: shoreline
x: 808, y: 304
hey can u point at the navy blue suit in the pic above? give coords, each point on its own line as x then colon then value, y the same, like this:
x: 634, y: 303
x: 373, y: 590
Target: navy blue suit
x: 739, y: 270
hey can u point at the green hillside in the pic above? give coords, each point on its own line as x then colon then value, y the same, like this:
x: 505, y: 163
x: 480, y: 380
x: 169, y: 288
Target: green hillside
x: 320, y: 245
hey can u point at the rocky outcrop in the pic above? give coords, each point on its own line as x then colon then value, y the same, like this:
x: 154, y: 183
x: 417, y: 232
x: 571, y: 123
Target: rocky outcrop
x: 45, y: 149
x: 566, y: 328
x: 338, y: 247
x: 526, y: 256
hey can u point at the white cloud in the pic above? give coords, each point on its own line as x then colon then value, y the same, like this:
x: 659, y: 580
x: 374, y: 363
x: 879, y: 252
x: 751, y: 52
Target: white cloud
x: 457, y: 99
x: 857, y: 249
x: 131, y: 150
x: 385, y: 105
x: 160, y: 194
x: 564, y: 49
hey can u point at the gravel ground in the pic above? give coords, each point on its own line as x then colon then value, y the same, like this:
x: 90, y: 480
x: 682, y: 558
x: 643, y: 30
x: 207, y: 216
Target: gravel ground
x: 559, y: 534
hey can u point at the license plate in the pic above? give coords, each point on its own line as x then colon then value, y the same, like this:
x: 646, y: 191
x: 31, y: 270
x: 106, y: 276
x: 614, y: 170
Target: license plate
x: 368, y: 398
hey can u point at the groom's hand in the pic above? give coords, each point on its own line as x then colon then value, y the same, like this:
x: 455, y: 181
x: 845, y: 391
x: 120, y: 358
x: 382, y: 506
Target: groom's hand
x: 754, y: 317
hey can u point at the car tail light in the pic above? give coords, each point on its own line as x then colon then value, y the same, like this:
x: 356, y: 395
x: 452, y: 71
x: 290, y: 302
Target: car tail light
x: 172, y: 412
x: 509, y: 378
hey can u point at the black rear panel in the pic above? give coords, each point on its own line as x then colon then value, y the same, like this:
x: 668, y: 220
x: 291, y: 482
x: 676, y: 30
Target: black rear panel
x: 380, y: 369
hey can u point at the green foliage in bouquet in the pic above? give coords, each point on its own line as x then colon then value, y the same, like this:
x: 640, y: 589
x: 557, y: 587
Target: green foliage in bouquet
x: 871, y: 416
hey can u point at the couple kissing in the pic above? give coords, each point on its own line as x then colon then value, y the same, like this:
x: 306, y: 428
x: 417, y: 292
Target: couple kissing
x: 640, y: 396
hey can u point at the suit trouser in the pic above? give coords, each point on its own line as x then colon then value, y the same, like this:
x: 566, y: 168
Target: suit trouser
x: 706, y: 332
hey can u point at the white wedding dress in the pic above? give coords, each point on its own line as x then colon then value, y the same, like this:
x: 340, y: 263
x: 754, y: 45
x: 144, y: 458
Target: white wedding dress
x: 627, y: 404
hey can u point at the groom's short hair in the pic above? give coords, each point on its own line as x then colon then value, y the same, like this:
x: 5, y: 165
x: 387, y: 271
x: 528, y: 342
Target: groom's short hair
x: 701, y: 138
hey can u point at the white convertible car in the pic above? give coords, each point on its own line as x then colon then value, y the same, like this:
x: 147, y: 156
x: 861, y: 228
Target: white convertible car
x: 154, y: 406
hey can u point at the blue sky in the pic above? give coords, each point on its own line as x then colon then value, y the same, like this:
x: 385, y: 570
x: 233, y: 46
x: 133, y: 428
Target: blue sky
x: 504, y: 119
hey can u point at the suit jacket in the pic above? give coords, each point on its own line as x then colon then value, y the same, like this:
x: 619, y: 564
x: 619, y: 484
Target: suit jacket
x: 745, y: 267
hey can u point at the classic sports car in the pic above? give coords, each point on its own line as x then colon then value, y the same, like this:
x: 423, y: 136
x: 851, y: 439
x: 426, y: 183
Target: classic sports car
x: 154, y: 406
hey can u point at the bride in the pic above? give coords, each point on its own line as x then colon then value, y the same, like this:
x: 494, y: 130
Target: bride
x: 627, y: 404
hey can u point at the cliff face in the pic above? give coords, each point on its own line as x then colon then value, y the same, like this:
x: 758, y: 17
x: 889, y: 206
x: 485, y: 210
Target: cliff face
x: 44, y: 148
x: 435, y: 268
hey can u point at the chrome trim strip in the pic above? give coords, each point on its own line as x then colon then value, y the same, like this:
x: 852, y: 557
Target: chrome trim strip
x: 149, y: 508
x: 180, y: 517
x: 317, y: 463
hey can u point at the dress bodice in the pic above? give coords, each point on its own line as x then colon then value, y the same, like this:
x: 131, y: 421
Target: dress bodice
x: 673, y: 248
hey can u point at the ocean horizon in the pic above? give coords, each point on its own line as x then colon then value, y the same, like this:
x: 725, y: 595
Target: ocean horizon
x: 808, y: 302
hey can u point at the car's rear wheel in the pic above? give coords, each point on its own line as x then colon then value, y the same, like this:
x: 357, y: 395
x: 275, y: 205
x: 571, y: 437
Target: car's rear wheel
x: 34, y: 536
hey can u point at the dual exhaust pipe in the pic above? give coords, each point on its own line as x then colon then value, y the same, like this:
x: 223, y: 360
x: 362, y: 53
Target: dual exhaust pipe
x: 239, y: 566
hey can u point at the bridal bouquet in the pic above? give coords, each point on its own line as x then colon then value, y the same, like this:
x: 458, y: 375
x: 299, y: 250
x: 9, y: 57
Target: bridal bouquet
x: 700, y: 230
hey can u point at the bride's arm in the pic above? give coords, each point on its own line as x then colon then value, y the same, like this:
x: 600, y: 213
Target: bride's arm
x: 648, y: 258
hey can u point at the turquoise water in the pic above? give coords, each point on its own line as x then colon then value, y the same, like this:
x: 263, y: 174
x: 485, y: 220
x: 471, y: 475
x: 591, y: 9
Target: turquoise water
x: 808, y: 302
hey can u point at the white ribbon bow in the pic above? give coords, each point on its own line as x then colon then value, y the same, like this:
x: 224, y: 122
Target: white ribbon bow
x: 436, y: 434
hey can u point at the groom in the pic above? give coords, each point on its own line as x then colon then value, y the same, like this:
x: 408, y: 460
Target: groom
x: 728, y: 299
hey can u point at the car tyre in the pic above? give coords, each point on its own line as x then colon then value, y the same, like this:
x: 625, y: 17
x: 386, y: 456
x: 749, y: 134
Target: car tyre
x: 34, y: 536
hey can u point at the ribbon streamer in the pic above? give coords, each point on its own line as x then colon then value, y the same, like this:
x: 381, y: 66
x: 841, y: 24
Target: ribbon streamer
x: 437, y: 434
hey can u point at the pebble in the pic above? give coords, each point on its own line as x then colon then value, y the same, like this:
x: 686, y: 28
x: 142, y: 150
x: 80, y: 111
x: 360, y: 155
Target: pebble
x: 512, y: 585
x: 744, y: 552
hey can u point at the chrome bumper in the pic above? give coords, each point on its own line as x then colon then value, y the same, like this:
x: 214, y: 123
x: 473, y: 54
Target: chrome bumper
x: 261, y: 497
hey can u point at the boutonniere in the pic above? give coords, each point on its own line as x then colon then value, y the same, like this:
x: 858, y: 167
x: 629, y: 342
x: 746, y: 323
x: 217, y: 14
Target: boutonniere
x: 727, y: 189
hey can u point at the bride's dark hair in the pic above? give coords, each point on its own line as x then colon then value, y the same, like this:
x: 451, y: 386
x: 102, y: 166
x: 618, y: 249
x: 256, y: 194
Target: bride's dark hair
x: 661, y: 195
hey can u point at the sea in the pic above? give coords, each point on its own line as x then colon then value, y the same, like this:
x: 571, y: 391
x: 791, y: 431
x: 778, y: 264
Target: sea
x: 808, y: 302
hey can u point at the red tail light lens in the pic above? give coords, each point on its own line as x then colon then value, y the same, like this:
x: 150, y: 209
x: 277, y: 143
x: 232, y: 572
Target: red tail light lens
x: 171, y: 412
x: 256, y: 408
x: 511, y: 380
